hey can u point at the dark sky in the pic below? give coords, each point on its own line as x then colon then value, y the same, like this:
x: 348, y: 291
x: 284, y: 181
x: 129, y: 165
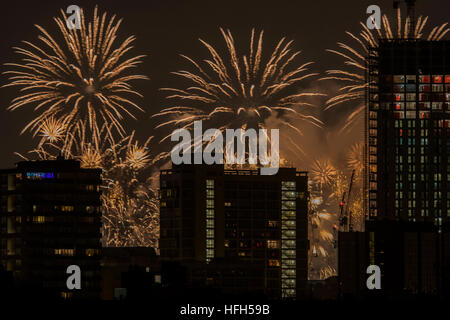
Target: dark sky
x: 166, y: 28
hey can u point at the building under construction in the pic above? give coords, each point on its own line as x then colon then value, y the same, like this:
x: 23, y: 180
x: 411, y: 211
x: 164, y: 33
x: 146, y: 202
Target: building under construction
x: 407, y: 168
x: 406, y: 181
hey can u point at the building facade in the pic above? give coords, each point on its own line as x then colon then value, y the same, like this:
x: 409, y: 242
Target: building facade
x: 50, y: 218
x: 407, y: 165
x: 241, y: 219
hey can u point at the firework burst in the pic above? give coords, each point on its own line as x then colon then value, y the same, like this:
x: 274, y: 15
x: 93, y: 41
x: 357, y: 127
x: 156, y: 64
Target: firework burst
x: 83, y: 77
x: 80, y: 85
x: 323, y: 173
x: 320, y: 224
x: 352, y: 80
x: 51, y: 130
x: 355, y: 158
x: 130, y: 203
x: 242, y: 90
x: 130, y: 208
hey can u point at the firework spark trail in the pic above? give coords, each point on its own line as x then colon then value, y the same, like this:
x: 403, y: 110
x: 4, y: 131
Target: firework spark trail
x: 51, y: 130
x: 323, y: 173
x: 80, y: 87
x: 84, y: 77
x: 355, y: 158
x: 322, y: 218
x: 352, y: 80
x: 327, y: 186
x: 240, y: 91
x: 320, y: 225
x: 130, y: 210
x: 130, y: 203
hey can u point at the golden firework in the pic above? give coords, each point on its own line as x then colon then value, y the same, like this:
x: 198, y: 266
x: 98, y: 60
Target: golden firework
x: 352, y: 81
x: 51, y: 130
x: 355, y: 158
x: 323, y: 173
x: 84, y: 77
x: 242, y: 90
x: 137, y: 156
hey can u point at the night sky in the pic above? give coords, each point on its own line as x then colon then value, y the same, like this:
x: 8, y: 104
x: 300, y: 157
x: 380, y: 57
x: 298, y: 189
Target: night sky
x: 166, y: 28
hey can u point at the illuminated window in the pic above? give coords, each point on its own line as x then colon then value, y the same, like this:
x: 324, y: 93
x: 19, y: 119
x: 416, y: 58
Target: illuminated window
x: 273, y: 244
x: 67, y: 208
x: 210, y: 243
x: 92, y: 252
x: 288, y: 237
x: 64, y: 252
x: 411, y: 78
x: 438, y: 88
x: 437, y: 79
x: 436, y: 105
x: 424, y: 79
x: 66, y: 295
x: 399, y: 114
x: 274, y: 223
x: 39, y: 175
x: 274, y: 263
x: 210, y: 220
x: 210, y: 213
x: 399, y: 79
x: 410, y: 114
x: 424, y: 88
x: 40, y: 219
x: 411, y: 106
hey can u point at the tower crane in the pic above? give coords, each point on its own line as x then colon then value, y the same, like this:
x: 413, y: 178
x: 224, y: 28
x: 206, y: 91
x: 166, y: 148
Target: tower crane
x: 345, y: 216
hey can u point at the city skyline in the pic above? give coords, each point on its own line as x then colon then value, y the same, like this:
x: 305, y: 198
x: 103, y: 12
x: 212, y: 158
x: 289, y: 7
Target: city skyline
x: 361, y: 116
x: 158, y: 67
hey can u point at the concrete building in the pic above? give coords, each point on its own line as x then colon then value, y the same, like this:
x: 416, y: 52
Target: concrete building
x: 255, y: 224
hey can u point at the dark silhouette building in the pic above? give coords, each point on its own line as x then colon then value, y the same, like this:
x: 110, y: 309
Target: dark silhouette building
x: 407, y: 166
x: 237, y: 229
x: 352, y: 263
x: 129, y: 273
x: 50, y: 215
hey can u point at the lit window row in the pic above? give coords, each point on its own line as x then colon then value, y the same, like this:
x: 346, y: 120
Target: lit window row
x: 288, y: 236
x: 210, y: 220
x: 64, y: 252
x: 412, y: 78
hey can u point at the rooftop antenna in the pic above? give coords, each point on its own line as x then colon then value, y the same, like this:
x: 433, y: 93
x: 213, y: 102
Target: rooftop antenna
x: 410, y: 11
